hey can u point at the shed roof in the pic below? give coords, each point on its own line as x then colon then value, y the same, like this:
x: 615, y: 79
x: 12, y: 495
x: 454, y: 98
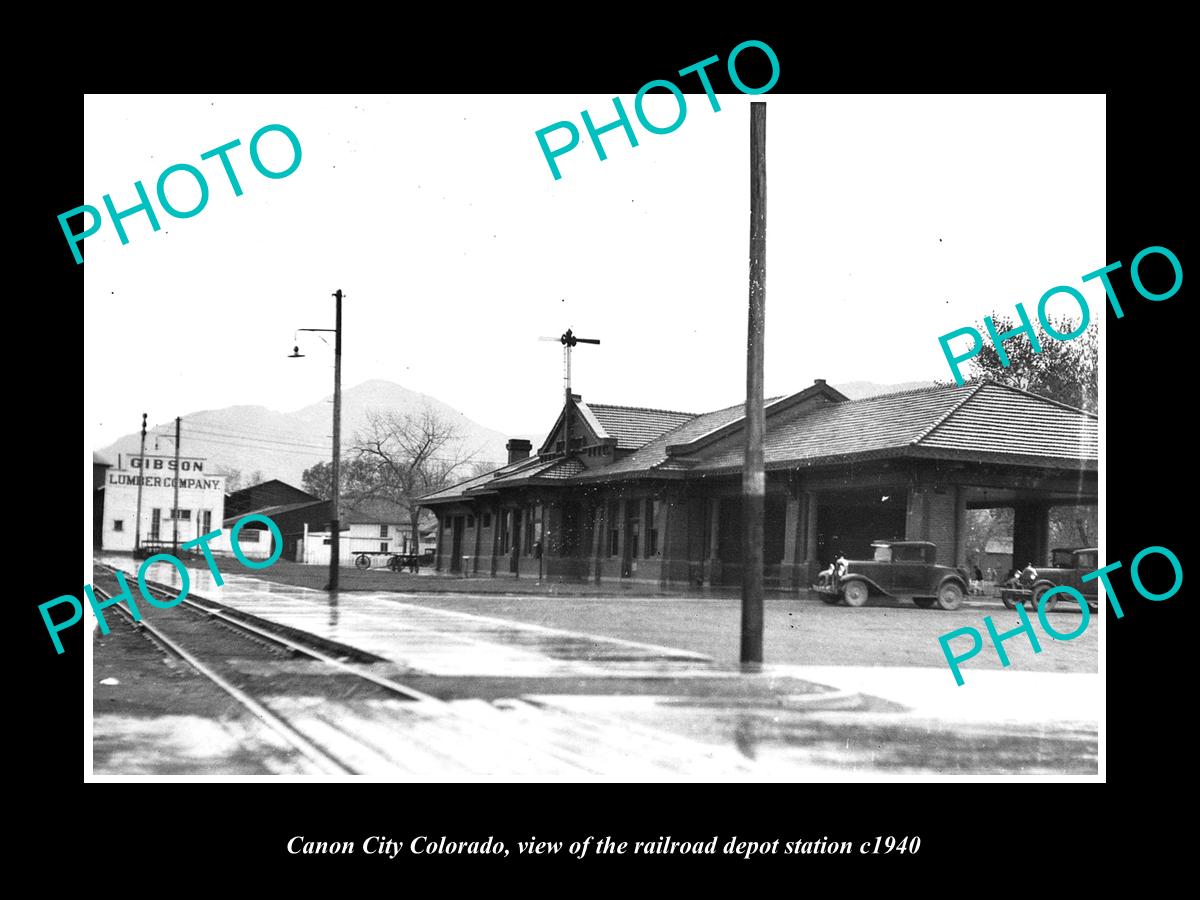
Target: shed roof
x: 270, y: 511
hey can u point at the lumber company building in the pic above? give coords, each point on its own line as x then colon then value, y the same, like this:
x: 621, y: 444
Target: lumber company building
x: 163, y: 482
x: 651, y: 495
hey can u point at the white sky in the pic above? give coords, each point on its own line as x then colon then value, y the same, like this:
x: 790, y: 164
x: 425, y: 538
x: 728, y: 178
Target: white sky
x: 891, y: 220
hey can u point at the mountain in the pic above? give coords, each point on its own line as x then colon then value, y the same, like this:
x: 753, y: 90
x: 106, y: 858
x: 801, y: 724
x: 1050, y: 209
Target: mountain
x: 857, y: 390
x: 282, y: 445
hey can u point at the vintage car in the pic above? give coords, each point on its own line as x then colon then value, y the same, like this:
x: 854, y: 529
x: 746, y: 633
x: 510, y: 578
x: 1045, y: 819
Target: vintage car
x: 901, y: 569
x: 1068, y: 568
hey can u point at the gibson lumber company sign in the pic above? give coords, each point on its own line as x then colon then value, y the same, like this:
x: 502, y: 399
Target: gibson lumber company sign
x: 143, y: 466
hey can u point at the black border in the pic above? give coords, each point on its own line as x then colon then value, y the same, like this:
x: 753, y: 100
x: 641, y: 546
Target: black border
x: 1147, y: 396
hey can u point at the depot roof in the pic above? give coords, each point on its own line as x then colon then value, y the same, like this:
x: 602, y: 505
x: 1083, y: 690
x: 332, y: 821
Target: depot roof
x: 819, y: 425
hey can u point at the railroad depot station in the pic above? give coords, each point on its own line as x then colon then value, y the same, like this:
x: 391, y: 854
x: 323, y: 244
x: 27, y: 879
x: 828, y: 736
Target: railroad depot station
x: 654, y: 496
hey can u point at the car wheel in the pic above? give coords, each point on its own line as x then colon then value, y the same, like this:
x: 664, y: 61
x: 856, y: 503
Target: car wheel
x: 1038, y: 592
x: 1008, y: 602
x: 856, y: 593
x: 363, y: 562
x: 924, y: 602
x: 950, y: 596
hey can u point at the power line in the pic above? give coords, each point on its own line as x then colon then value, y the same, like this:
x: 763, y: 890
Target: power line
x: 248, y: 446
x: 305, y: 449
x: 231, y: 432
x: 262, y: 440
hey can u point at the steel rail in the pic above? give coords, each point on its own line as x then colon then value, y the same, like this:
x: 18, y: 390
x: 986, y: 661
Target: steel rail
x: 305, y: 747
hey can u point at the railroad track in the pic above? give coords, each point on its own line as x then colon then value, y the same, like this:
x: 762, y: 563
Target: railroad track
x: 324, y: 760
x: 496, y: 734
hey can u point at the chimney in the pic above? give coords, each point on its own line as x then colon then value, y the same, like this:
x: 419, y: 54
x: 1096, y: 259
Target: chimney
x: 518, y: 449
x: 818, y: 381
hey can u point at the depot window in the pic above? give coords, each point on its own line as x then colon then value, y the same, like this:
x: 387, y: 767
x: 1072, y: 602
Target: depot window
x: 383, y: 531
x: 118, y: 524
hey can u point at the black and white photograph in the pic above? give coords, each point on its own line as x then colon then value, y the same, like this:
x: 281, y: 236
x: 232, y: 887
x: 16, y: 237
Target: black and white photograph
x: 441, y: 439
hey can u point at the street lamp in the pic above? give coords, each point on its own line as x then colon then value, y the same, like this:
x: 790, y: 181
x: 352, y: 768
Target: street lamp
x: 335, y: 524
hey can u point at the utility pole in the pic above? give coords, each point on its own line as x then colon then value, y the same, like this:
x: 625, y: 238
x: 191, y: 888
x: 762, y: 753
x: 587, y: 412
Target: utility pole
x: 142, y: 468
x: 335, y: 543
x: 175, y: 511
x: 137, y: 528
x: 335, y: 502
x: 753, y: 476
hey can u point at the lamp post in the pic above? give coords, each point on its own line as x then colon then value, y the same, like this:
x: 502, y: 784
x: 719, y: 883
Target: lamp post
x: 335, y: 501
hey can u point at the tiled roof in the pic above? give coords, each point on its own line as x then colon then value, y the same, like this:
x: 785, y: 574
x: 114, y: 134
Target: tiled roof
x: 456, y: 490
x: 557, y: 468
x: 655, y: 452
x: 635, y: 426
x: 481, y: 481
x: 981, y: 420
x: 977, y: 418
x: 999, y: 419
x: 566, y: 468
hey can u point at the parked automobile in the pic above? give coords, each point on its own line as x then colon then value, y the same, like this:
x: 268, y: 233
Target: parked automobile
x: 905, y: 570
x: 1069, y: 567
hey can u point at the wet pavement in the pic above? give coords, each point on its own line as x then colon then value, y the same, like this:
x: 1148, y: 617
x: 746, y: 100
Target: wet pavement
x: 522, y: 700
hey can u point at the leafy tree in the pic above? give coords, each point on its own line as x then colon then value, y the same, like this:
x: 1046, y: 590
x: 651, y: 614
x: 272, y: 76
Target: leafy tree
x: 985, y: 524
x: 1066, y: 371
x: 358, y: 476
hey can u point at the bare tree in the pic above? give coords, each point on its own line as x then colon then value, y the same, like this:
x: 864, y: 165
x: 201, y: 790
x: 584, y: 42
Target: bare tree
x: 481, y: 467
x: 412, y: 454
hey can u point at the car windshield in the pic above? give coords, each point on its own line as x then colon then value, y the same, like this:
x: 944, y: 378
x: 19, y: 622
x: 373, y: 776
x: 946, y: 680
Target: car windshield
x: 1062, y: 559
x: 883, y: 553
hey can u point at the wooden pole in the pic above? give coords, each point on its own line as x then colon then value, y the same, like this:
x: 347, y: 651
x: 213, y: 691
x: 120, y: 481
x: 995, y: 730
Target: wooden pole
x: 335, y: 536
x: 753, y: 476
x: 137, y: 525
x: 175, y: 511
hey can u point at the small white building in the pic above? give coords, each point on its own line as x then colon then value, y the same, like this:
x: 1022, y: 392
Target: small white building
x: 201, y: 501
x: 368, y: 526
